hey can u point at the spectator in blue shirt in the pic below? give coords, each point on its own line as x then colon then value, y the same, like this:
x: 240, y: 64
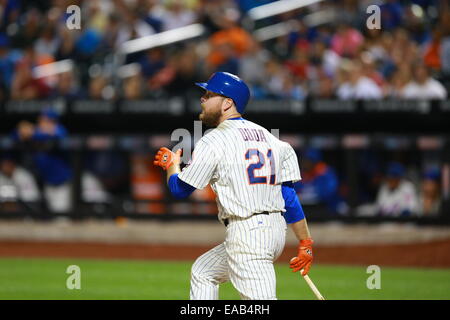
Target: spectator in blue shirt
x: 8, y: 61
x: 391, y: 15
x: 319, y: 184
x: 51, y: 162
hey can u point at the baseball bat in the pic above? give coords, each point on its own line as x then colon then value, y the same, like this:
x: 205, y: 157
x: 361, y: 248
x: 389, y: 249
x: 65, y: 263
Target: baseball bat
x: 312, y: 286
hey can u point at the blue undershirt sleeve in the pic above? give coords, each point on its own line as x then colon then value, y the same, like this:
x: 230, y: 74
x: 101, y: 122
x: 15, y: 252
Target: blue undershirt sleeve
x: 179, y: 188
x: 294, y: 211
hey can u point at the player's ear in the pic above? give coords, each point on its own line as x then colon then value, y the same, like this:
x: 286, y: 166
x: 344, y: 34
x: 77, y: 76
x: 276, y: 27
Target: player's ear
x: 227, y: 104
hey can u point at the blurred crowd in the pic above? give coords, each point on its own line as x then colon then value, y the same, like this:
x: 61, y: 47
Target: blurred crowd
x: 334, y: 57
x: 328, y: 53
x: 387, y: 189
x: 38, y: 173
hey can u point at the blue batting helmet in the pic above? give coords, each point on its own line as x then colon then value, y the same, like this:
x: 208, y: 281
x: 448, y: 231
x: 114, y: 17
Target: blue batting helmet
x: 230, y: 86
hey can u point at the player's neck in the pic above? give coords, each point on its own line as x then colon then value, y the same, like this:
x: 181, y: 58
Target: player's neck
x: 230, y: 116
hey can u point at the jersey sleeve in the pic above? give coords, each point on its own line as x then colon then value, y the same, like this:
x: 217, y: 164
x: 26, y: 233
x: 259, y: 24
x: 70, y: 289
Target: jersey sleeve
x: 294, y: 211
x: 202, y: 166
x: 179, y: 188
x: 290, y: 170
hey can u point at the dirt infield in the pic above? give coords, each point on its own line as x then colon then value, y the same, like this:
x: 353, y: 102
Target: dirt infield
x: 431, y: 254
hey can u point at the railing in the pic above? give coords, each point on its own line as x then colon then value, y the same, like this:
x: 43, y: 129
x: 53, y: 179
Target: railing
x: 342, y: 151
x: 308, y: 116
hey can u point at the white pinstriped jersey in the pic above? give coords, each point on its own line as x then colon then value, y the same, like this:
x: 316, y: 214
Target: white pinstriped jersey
x: 245, y: 165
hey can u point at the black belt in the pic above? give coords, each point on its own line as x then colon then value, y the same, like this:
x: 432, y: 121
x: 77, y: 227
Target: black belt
x: 227, y: 221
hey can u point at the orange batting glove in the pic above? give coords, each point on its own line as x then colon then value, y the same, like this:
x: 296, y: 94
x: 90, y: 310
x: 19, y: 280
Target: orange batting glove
x: 165, y: 158
x: 304, y: 257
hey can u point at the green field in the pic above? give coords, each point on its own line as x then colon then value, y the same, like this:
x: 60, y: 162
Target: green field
x: 162, y: 280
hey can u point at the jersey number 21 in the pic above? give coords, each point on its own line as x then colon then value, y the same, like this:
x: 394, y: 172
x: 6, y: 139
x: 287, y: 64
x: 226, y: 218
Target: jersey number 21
x: 252, y: 178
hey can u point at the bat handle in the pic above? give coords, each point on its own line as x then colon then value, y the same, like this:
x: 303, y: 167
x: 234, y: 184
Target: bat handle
x: 312, y: 286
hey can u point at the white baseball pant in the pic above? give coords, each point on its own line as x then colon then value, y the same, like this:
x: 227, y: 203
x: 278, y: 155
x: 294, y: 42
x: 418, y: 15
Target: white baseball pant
x: 246, y: 258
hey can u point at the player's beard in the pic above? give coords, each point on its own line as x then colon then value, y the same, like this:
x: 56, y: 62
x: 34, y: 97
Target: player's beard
x: 211, y: 118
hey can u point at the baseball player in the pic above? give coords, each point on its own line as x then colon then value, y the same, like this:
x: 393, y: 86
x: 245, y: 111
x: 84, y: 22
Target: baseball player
x: 252, y: 173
